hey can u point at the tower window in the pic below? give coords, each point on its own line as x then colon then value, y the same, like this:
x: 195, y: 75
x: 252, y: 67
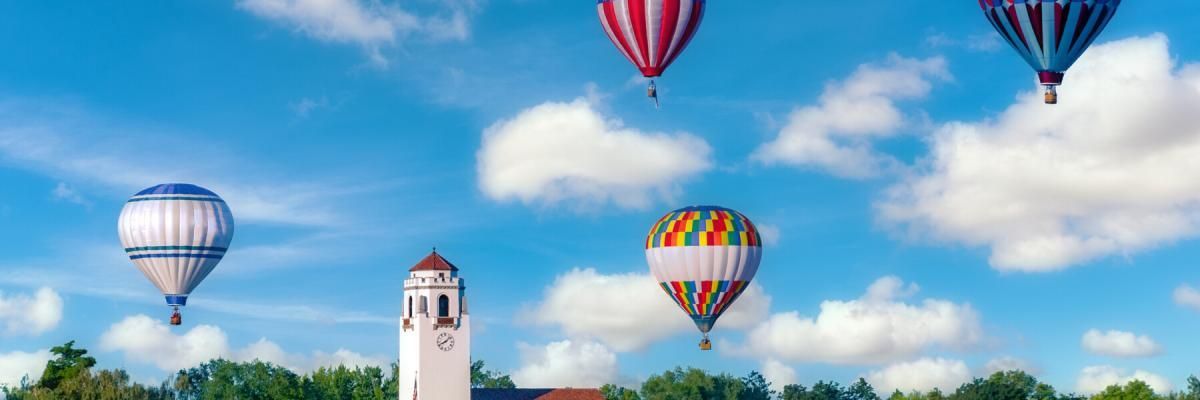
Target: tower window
x: 443, y: 306
x: 410, y: 310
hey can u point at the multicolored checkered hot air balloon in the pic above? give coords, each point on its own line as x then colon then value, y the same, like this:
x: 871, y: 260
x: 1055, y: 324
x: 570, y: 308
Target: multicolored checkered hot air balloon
x: 176, y: 234
x: 651, y: 33
x: 704, y: 257
x: 1050, y: 34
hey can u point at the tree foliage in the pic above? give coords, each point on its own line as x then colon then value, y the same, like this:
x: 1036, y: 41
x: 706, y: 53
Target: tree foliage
x: 694, y: 384
x: 481, y: 378
x: 614, y: 392
x: 68, y: 362
x: 70, y: 375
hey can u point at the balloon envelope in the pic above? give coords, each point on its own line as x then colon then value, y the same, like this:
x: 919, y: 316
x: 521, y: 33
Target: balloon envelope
x: 176, y: 234
x: 704, y: 257
x: 651, y: 33
x: 1049, y: 34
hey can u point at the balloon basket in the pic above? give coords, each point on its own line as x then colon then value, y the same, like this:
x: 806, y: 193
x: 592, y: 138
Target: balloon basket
x: 1051, y: 95
x: 176, y: 318
x: 705, y: 344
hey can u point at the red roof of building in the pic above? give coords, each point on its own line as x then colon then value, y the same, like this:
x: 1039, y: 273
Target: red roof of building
x: 573, y: 394
x: 434, y: 262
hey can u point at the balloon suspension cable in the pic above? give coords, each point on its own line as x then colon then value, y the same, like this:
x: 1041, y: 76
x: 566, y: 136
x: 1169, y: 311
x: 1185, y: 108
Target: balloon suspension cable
x: 176, y: 318
x: 705, y: 344
x: 652, y: 92
x: 1051, y: 94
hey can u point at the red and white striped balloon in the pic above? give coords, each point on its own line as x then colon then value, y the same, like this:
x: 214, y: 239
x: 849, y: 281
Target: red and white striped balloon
x: 651, y: 33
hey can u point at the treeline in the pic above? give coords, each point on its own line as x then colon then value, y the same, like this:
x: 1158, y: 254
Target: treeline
x: 695, y: 384
x: 70, y: 375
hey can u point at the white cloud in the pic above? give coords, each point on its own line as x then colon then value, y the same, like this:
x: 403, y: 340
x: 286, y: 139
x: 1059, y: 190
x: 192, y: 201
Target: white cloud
x: 1187, y: 296
x: 63, y: 142
x: 570, y: 153
x: 770, y: 233
x: 835, y: 135
x: 1105, y: 172
x: 986, y: 42
x: 939, y: 39
x: 1007, y: 363
x: 292, y: 312
x: 641, y: 315
x: 370, y: 24
x: 924, y: 375
x: 1095, y: 379
x: 146, y: 340
x: 347, y: 358
x: 64, y: 192
x: 30, y: 315
x: 779, y: 374
x: 16, y: 365
x: 876, y: 328
x: 1119, y: 344
x: 978, y: 42
x: 566, y: 364
x: 268, y: 351
x: 97, y: 271
x: 888, y: 288
x: 305, y: 106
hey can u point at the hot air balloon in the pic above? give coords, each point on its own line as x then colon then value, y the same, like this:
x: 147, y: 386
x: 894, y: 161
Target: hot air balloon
x: 176, y: 234
x: 651, y: 33
x: 704, y: 257
x: 1050, y: 34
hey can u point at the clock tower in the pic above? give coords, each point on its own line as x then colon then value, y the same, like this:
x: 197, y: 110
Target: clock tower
x: 435, y: 333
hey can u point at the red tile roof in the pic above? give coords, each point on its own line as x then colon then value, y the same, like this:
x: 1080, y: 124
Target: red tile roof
x: 573, y: 394
x: 434, y: 262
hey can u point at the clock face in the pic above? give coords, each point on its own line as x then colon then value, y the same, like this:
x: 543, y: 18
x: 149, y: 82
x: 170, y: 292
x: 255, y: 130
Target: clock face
x: 445, y: 341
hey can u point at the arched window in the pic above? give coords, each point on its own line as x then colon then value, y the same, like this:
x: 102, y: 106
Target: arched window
x: 410, y: 310
x: 443, y: 306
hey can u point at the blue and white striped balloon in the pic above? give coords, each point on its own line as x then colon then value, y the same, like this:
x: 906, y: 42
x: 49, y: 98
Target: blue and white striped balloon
x: 176, y: 234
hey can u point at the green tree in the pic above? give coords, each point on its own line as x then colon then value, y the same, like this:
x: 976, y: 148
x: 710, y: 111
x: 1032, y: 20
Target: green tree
x: 391, y: 385
x: 826, y: 391
x: 690, y: 384
x: 1044, y: 392
x: 102, y: 385
x: 481, y: 378
x: 794, y: 392
x: 614, y: 392
x: 755, y: 387
x: 67, y: 363
x: 1193, y: 389
x: 860, y: 390
x: 1134, y: 390
x: 344, y: 383
x: 1006, y: 385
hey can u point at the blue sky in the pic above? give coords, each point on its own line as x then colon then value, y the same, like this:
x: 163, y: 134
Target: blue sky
x: 350, y: 140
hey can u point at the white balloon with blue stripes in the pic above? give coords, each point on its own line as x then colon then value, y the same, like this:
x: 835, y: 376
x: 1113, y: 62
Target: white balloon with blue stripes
x: 176, y: 234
